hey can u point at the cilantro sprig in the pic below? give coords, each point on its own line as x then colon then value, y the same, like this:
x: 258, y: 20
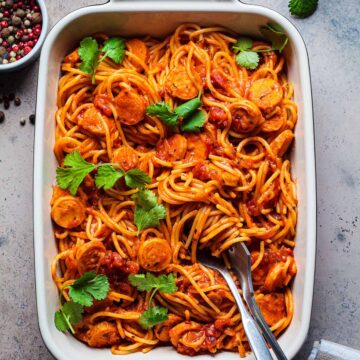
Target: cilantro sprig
x: 147, y: 282
x: 302, y: 8
x: 71, y: 176
x: 82, y: 293
x: 187, y: 114
x: 248, y: 57
x: 88, y: 287
x: 89, y: 52
x: 148, y: 212
x: 152, y: 284
x: 68, y: 315
x: 155, y: 315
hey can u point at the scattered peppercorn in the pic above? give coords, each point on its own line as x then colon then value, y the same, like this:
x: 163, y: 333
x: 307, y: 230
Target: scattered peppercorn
x: 2, y: 117
x: 17, y: 101
x: 6, y: 104
x: 32, y: 119
x: 22, y: 122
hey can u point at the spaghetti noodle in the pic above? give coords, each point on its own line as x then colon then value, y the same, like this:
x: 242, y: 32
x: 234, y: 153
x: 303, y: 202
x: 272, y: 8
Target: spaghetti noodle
x: 228, y: 183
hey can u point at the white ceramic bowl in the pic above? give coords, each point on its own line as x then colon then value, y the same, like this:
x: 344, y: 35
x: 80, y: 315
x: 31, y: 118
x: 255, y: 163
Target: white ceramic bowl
x: 35, y: 52
x: 159, y: 18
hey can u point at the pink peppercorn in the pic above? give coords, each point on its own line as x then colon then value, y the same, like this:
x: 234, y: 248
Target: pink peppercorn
x: 4, y: 44
x: 30, y: 44
x: 15, y: 48
x: 27, y: 49
x: 37, y: 31
x: 18, y: 57
x: 35, y: 41
x: 4, y: 24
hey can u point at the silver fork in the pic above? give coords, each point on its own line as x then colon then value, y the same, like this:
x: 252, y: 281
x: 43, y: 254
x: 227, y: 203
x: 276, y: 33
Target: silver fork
x: 239, y: 257
x: 256, y: 340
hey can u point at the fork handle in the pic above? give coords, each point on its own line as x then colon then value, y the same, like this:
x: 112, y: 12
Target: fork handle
x: 269, y: 336
x: 256, y: 340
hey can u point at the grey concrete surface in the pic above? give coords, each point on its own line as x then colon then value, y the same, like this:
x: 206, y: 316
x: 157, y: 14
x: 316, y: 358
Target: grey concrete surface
x: 332, y: 36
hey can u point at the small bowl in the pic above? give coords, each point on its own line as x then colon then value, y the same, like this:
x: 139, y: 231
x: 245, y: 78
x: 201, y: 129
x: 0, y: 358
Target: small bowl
x: 35, y: 52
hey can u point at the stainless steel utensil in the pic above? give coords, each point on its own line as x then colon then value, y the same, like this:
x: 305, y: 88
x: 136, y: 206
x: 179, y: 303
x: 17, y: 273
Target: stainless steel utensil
x: 257, y: 343
x: 239, y: 257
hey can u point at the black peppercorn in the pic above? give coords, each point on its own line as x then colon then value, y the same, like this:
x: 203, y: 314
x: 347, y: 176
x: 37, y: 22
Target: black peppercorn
x: 32, y: 119
x: 6, y: 104
x: 2, y: 117
x: 17, y: 101
x: 11, y: 96
x: 6, y: 98
x: 20, y: 13
x: 16, y: 21
x: 36, y: 18
x: 22, y: 122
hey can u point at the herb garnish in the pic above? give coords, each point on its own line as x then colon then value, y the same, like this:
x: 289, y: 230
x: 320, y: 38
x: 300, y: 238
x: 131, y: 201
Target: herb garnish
x: 148, y: 212
x: 192, y: 118
x: 89, y: 52
x: 302, y: 8
x: 82, y: 293
x: 150, y: 283
x: 248, y: 57
x: 72, y: 176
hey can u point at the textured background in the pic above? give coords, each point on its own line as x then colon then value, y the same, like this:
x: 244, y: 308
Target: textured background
x: 332, y: 36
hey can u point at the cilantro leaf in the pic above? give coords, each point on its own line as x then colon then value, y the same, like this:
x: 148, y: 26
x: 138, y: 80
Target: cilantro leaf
x: 242, y: 44
x: 60, y: 321
x: 148, y: 212
x: 147, y: 282
x: 87, y: 287
x: 187, y: 108
x: 162, y: 111
x: 88, y: 52
x: 145, y: 199
x: 72, y: 176
x: 155, y: 315
x: 136, y: 178
x: 114, y: 48
x: 248, y: 59
x: 107, y: 176
x: 302, y: 8
x: 195, y: 122
x: 144, y: 219
x: 69, y: 314
x: 276, y: 34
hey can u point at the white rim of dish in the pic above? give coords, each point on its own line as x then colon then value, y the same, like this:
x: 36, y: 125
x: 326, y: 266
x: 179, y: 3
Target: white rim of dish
x: 32, y: 55
x: 309, y: 150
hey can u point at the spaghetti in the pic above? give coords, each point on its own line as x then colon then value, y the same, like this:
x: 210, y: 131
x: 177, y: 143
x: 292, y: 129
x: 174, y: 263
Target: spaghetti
x: 228, y: 183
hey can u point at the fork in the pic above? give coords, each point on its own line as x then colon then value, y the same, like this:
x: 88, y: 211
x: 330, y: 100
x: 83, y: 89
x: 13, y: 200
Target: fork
x: 239, y: 257
x: 256, y: 340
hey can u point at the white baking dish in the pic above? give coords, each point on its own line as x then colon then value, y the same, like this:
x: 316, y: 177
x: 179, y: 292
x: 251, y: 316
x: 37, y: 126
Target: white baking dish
x: 160, y: 18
